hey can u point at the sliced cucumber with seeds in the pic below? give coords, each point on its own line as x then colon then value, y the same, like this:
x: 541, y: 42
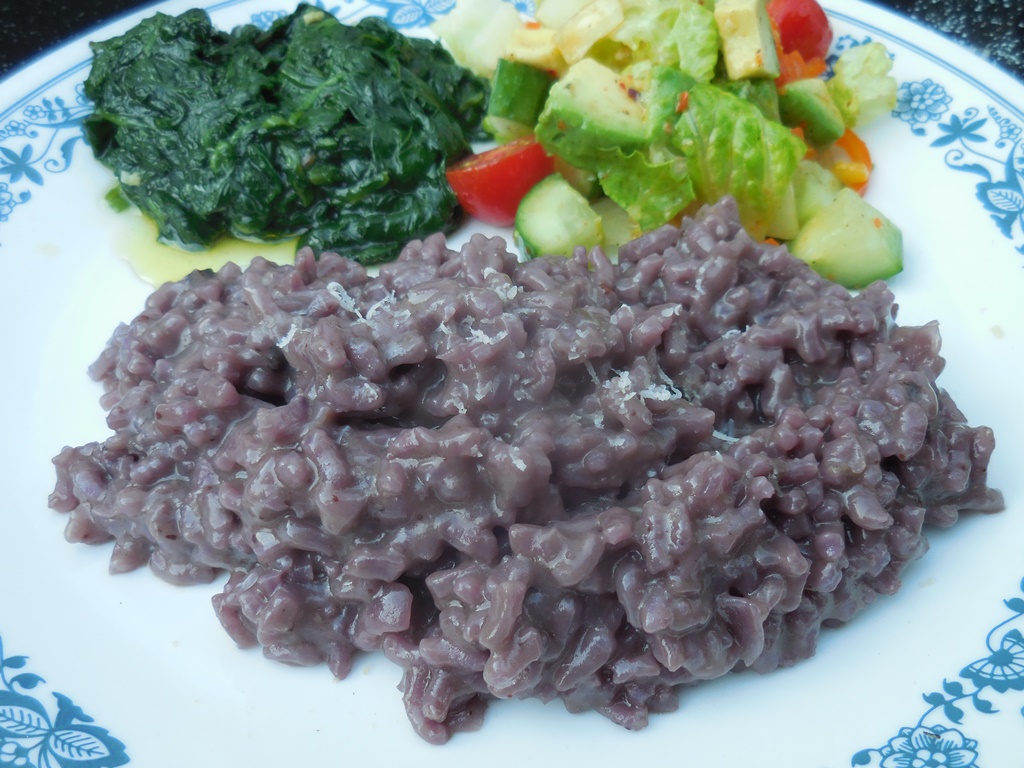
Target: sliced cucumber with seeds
x: 553, y: 218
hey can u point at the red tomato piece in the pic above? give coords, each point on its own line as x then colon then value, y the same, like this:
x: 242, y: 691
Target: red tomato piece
x: 490, y: 185
x: 802, y: 26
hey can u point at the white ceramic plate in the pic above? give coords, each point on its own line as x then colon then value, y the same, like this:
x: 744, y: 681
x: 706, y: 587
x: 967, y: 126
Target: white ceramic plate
x: 934, y: 674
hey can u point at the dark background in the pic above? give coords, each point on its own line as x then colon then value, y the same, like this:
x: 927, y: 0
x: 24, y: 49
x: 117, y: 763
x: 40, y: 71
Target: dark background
x: 994, y: 28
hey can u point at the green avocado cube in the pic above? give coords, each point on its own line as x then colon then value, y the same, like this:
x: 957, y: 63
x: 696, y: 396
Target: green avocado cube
x: 809, y: 105
x: 590, y: 111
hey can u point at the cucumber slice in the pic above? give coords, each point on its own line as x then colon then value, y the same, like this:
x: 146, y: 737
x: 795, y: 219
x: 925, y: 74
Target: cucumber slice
x: 815, y: 187
x: 553, y: 218
x: 619, y: 227
x: 518, y: 92
x: 850, y: 242
x: 783, y: 223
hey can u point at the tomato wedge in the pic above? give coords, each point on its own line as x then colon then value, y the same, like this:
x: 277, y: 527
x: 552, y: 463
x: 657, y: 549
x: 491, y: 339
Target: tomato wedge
x: 802, y: 27
x: 490, y: 185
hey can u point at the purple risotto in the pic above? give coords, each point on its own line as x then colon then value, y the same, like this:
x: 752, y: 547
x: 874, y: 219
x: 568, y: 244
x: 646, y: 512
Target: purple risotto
x: 566, y: 478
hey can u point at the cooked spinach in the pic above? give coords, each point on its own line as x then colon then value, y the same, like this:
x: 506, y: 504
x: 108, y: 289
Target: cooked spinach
x: 334, y: 133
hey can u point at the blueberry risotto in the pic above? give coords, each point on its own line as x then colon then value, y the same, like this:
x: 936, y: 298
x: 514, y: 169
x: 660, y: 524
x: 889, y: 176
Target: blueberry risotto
x: 565, y: 478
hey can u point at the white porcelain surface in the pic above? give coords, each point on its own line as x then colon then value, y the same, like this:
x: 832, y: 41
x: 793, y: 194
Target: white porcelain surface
x: 935, y: 672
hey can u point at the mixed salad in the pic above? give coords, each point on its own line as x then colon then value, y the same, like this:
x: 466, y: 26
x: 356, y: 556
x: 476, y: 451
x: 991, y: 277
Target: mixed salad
x: 614, y: 117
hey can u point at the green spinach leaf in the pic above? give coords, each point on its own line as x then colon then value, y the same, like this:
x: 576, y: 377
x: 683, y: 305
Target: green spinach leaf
x: 335, y: 134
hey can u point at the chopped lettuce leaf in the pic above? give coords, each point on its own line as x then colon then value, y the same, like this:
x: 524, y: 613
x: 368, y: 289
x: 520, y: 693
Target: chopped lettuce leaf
x: 644, y: 27
x: 696, y: 36
x: 731, y: 149
x: 671, y: 33
x: 759, y: 91
x: 862, y: 87
x: 662, y: 94
x: 596, y: 121
x: 652, y: 188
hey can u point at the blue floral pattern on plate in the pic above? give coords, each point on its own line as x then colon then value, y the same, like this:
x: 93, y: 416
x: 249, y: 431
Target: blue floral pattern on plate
x: 935, y: 747
x: 985, y: 143
x: 401, y: 14
x: 934, y: 741
x: 920, y: 103
x: 41, y: 139
x: 31, y: 738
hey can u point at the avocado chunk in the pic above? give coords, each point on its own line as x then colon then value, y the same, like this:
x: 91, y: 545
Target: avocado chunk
x: 745, y: 32
x: 850, y: 242
x: 809, y: 105
x: 590, y: 111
